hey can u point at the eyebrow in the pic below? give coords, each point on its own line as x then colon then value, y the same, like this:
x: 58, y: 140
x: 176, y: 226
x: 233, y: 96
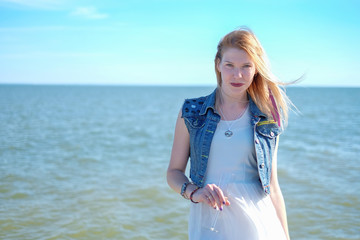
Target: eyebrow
x: 246, y: 63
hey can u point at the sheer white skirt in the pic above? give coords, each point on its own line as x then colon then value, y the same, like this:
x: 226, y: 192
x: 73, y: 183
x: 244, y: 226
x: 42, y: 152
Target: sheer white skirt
x: 250, y: 216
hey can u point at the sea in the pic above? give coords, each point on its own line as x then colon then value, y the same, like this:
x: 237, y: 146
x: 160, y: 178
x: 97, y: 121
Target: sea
x: 89, y: 162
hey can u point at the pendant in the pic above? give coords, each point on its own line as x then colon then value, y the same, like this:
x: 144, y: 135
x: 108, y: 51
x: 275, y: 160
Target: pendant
x: 228, y: 133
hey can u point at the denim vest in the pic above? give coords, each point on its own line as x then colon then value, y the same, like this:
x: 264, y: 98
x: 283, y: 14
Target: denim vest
x: 201, y: 120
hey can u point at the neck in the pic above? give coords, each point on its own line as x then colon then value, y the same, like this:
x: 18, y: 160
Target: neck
x: 224, y: 99
x: 231, y: 106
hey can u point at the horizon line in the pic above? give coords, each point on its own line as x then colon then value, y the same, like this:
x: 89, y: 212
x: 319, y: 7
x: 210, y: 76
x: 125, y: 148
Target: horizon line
x: 163, y: 85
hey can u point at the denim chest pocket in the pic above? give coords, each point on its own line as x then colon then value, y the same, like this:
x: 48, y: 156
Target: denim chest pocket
x: 196, y: 122
x: 268, y: 130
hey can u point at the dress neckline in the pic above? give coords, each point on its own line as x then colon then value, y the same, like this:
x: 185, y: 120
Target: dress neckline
x: 241, y: 117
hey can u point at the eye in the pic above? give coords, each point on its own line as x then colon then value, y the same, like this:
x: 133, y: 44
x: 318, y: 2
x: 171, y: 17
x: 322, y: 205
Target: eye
x: 228, y: 65
x: 247, y: 66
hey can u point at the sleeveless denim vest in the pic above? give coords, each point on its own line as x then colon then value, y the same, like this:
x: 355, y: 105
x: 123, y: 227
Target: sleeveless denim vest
x: 201, y: 120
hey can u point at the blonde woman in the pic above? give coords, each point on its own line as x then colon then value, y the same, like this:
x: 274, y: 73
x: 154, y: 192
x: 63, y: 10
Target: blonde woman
x: 231, y: 137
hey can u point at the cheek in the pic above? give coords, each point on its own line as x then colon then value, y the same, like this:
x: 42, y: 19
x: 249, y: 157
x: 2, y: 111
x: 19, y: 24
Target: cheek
x: 250, y: 73
x: 225, y: 72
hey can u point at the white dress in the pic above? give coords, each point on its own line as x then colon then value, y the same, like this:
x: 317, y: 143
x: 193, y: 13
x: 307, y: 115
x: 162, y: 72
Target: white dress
x: 232, y: 165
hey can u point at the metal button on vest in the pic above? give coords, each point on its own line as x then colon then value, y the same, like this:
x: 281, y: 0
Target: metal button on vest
x: 257, y: 141
x: 262, y: 165
x: 196, y: 123
x: 271, y: 134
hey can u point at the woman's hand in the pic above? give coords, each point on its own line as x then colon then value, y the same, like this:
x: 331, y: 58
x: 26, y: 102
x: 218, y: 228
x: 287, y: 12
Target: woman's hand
x: 212, y: 195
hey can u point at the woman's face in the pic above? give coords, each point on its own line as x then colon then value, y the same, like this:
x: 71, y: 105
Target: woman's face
x: 237, y: 72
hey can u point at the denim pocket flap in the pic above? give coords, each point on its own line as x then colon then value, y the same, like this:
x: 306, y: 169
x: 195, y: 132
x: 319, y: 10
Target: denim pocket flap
x: 268, y: 130
x: 195, y: 122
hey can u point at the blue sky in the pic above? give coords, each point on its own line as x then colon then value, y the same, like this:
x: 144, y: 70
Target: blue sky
x: 156, y: 42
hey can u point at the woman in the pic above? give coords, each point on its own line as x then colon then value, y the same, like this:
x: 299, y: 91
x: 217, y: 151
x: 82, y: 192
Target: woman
x: 231, y: 137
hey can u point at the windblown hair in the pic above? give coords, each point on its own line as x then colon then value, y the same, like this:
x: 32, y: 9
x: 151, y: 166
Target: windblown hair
x: 264, y: 85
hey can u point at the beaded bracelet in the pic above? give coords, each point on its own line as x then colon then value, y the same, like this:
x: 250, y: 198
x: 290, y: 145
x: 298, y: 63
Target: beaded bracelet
x: 192, y: 193
x: 183, y: 190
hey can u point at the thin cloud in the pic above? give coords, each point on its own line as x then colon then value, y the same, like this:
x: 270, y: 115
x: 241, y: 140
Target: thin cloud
x: 114, y: 27
x: 89, y: 13
x: 47, y: 55
x: 32, y: 29
x: 42, y: 4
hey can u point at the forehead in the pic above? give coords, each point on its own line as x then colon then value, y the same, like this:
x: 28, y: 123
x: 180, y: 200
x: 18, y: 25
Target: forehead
x: 236, y: 55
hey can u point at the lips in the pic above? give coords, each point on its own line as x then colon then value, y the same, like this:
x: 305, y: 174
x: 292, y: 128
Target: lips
x: 236, y: 84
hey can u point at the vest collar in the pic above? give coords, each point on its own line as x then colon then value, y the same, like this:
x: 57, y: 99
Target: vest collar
x: 209, y: 103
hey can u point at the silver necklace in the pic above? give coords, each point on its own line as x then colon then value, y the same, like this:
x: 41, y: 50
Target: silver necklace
x: 228, y: 132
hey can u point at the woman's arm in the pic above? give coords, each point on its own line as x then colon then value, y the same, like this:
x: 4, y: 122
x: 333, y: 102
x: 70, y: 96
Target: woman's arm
x: 179, y: 156
x: 276, y: 194
x: 210, y: 194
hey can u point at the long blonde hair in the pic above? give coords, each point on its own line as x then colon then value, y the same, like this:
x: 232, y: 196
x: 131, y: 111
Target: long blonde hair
x: 265, y: 89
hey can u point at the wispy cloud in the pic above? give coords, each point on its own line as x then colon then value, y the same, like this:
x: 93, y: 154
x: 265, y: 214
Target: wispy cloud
x: 47, y: 55
x: 89, y: 13
x: 113, y: 27
x: 46, y: 4
x: 32, y: 29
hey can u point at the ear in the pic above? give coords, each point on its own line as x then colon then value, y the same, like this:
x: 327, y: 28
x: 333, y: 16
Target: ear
x: 218, y: 64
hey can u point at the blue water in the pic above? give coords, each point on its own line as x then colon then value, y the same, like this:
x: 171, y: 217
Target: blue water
x: 89, y: 162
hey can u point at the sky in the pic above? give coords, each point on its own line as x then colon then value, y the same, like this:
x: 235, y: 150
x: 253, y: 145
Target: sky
x: 173, y: 42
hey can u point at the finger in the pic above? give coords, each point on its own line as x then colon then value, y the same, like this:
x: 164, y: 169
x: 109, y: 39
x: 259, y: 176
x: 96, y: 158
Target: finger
x: 203, y: 195
x: 227, y: 203
x: 208, y: 201
x: 209, y: 192
x: 215, y: 199
x: 211, y: 198
x: 220, y: 197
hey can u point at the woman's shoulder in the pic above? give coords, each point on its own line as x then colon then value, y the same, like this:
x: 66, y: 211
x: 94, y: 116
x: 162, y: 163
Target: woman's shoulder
x: 195, y: 101
x: 194, y: 106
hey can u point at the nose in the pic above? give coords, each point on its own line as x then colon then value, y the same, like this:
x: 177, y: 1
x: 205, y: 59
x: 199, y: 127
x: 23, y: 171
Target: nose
x: 237, y: 73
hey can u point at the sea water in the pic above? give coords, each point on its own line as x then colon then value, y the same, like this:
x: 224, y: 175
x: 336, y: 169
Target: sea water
x: 89, y: 162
